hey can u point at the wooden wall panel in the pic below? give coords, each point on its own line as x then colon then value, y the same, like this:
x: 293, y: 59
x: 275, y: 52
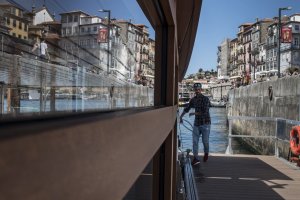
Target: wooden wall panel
x: 99, y: 159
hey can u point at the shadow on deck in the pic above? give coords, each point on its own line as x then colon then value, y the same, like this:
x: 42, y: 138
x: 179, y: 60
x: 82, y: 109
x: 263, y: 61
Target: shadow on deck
x: 246, y: 177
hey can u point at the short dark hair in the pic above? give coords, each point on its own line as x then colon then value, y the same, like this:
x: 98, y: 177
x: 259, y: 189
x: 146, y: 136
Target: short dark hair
x: 197, y: 86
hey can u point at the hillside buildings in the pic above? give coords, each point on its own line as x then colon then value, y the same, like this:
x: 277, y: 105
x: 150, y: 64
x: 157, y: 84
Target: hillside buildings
x: 119, y: 48
x: 15, y: 19
x: 253, y: 53
x: 223, y: 59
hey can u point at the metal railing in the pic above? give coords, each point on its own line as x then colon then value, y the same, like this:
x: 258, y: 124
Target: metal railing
x: 280, y: 131
x: 189, y: 188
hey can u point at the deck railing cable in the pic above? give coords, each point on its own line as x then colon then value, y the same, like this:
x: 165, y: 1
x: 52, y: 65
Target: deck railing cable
x: 278, y: 135
x: 187, y: 170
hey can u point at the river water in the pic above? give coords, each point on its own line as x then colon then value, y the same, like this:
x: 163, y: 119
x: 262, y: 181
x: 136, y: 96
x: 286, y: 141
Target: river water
x: 218, y: 138
x: 32, y: 106
x: 218, y: 133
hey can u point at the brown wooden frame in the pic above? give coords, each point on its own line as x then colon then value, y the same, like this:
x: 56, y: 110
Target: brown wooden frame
x: 100, y: 155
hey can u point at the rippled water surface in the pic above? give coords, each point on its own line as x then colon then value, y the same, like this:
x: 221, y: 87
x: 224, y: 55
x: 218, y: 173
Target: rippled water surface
x: 218, y: 132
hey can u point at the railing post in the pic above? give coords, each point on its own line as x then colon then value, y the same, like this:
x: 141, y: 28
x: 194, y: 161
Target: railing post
x: 52, y: 88
x: 229, y: 147
x: 2, y: 93
x: 41, y: 86
x: 15, y: 80
x: 276, y: 152
x: 127, y: 95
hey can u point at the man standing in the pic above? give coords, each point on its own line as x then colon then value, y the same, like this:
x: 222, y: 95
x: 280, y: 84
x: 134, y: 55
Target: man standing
x: 44, y: 50
x: 202, y: 122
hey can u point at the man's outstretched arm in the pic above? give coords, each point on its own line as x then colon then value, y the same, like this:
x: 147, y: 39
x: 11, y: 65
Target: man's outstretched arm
x: 181, y: 116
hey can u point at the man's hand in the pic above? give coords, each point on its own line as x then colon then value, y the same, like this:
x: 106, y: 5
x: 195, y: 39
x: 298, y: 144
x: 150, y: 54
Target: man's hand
x: 195, y: 113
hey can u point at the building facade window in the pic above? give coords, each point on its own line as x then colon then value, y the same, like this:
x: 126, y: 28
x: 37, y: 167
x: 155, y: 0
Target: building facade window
x: 76, y: 30
x: 296, y: 41
x: 25, y: 27
x: 13, y: 11
x: 95, y: 28
x: 14, y: 23
x: 64, y: 19
x: 82, y: 30
x: 20, y: 25
x: 76, y: 18
x: 81, y: 42
x: 63, y: 31
x: 8, y: 21
x: 69, y: 31
x: 70, y: 18
x: 297, y: 27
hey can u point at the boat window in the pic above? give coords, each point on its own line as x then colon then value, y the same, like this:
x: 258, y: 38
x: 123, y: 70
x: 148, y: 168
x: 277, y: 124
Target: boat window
x: 54, y: 66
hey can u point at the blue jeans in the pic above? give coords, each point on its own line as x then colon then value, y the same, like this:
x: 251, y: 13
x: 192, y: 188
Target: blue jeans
x: 203, y: 130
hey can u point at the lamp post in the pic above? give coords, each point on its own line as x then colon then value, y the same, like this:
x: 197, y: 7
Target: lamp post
x: 108, y: 35
x: 255, y: 52
x: 279, y: 37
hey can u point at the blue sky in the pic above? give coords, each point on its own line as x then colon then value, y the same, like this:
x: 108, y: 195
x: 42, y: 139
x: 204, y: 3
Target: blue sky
x: 219, y: 19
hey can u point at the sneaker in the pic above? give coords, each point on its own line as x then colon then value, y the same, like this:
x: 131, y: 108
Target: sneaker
x: 195, y: 162
x: 205, y: 158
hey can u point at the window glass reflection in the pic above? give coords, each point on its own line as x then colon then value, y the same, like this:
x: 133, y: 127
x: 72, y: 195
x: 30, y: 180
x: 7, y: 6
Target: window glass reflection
x: 74, y: 56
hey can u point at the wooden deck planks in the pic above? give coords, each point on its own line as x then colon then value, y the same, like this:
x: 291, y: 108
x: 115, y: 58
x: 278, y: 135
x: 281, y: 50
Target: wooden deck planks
x: 247, y: 177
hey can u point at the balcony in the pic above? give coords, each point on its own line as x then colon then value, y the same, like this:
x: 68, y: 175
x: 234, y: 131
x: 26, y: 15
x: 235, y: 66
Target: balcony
x: 271, y: 45
x: 239, y: 62
x: 249, y: 49
x: 146, y: 51
x: 152, y: 66
x: 145, y: 61
x: 255, y: 51
x: 151, y: 56
x: 232, y: 67
x: 260, y: 62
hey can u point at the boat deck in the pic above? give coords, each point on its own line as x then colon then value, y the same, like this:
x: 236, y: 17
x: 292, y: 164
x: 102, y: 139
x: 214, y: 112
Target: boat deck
x: 247, y: 177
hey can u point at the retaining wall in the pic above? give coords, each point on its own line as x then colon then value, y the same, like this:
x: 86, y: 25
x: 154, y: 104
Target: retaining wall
x: 254, y: 100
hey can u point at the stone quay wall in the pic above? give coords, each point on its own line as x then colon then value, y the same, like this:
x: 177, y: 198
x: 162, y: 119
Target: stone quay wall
x: 220, y: 91
x: 258, y: 100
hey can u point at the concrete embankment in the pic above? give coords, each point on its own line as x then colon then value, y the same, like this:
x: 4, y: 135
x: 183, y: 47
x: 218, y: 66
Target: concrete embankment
x: 273, y: 99
x: 220, y: 91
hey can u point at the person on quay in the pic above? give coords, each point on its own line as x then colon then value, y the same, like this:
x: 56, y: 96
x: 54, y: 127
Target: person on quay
x: 202, y: 122
x: 43, y: 49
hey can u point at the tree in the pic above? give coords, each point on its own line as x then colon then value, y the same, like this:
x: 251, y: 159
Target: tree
x: 200, y: 76
x: 190, y: 76
x: 200, y: 70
